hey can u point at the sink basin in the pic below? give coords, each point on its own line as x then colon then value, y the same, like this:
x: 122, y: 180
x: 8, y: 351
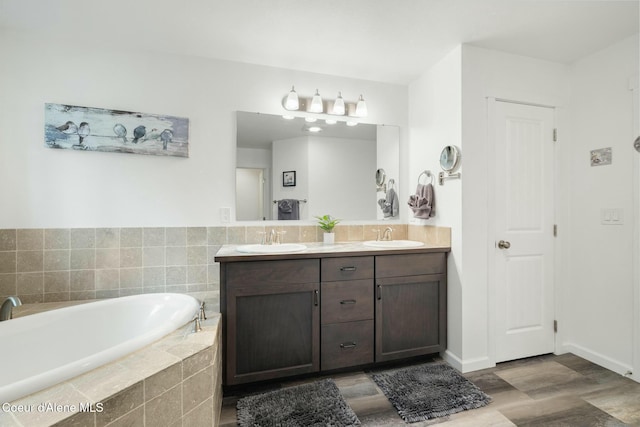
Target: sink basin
x: 393, y: 244
x: 271, y: 249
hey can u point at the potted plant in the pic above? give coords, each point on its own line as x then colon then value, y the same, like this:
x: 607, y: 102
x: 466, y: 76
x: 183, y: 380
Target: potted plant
x: 327, y: 223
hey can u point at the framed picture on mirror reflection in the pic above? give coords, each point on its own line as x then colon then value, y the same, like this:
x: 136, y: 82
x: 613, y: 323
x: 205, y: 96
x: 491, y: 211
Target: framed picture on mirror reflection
x: 289, y: 179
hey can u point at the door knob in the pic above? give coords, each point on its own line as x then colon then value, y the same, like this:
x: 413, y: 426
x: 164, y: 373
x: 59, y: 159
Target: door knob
x: 504, y: 244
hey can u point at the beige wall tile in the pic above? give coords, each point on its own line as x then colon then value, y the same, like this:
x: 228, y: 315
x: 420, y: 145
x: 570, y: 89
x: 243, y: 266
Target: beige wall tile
x: 7, y: 262
x: 108, y: 258
x: 27, y: 261
x: 7, y: 284
x: 30, y: 239
x: 308, y: 233
x: 176, y: 275
x: 134, y: 418
x: 153, y: 236
x: 82, y: 280
x: 56, y: 281
x: 196, y: 274
x: 81, y: 419
x: 82, y: 238
x: 176, y: 255
x: 202, y: 415
x: 82, y: 259
x: 30, y: 283
x: 130, y: 278
x: 107, y: 279
x: 130, y: 257
x: 56, y: 260
x: 196, y: 236
x: 236, y: 235
x: 153, y: 256
x: 107, y: 238
x: 213, y: 273
x: 56, y: 296
x: 216, y: 235
x: 164, y: 409
x: 176, y: 236
x: 196, y: 255
x: 153, y: 277
x: 57, y: 238
x: 254, y: 234
x: 108, y: 293
x: 131, y: 237
x: 8, y: 240
x: 211, y: 253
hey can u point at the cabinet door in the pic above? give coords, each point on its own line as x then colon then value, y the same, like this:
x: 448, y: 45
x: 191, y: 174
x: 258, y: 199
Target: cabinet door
x: 410, y: 316
x: 273, y: 331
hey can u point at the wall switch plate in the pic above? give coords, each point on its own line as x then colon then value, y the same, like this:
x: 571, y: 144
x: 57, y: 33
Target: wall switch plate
x: 612, y: 216
x: 225, y: 215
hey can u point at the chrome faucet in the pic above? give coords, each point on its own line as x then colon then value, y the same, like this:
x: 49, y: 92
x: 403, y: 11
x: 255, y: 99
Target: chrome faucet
x: 387, y: 233
x: 6, y: 310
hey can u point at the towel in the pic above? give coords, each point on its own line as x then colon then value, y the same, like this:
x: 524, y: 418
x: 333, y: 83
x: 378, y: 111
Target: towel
x: 389, y: 204
x: 423, y: 202
x: 288, y: 209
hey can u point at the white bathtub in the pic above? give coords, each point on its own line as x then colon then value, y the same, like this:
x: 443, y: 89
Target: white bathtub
x: 44, y: 349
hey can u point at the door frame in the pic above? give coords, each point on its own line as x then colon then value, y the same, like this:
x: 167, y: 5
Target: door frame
x: 491, y: 226
x: 634, y: 88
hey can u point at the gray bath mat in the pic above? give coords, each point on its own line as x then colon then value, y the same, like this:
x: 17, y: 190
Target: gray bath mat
x: 315, y: 404
x: 428, y: 391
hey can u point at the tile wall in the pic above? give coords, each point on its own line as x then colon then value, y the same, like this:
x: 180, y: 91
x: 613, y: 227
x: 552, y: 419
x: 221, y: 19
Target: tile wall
x: 50, y: 265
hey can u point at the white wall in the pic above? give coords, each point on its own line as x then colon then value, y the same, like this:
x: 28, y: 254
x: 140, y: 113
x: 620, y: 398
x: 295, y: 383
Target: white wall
x: 600, y: 263
x: 291, y: 155
x: 41, y: 187
x: 435, y: 121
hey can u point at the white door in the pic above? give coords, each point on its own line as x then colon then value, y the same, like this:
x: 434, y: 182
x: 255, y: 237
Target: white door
x: 524, y: 218
x: 250, y: 194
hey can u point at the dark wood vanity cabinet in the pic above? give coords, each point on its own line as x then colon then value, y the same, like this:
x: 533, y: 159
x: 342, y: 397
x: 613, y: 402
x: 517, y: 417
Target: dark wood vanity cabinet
x: 293, y: 316
x: 346, y: 335
x: 411, y: 301
x: 272, y: 317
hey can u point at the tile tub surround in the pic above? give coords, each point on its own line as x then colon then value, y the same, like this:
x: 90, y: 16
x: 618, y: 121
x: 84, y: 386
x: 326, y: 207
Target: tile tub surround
x: 71, y: 264
x: 175, y: 381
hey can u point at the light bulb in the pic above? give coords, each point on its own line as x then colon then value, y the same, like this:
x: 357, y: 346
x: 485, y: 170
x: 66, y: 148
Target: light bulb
x: 361, y: 107
x: 330, y: 121
x: 338, y: 105
x: 315, y: 129
x: 352, y: 123
x: 310, y: 119
x: 292, y: 102
x: 316, y: 103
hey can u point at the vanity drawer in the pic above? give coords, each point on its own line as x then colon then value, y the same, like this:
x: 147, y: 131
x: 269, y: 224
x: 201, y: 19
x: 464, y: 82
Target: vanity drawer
x: 410, y: 264
x: 260, y: 273
x: 346, y: 344
x: 346, y: 301
x: 347, y: 268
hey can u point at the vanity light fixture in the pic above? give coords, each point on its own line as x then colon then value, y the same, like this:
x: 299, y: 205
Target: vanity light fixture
x: 288, y: 117
x: 310, y: 119
x: 330, y: 121
x: 292, y: 103
x: 361, y: 107
x: 338, y: 105
x: 316, y: 103
x: 315, y: 129
x: 352, y: 123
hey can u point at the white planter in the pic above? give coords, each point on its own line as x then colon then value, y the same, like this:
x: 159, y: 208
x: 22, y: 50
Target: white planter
x: 329, y: 238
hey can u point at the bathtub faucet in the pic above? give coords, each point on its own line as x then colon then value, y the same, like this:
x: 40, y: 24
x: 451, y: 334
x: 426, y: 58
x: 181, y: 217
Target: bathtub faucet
x: 6, y: 310
x: 202, y: 315
x: 196, y: 324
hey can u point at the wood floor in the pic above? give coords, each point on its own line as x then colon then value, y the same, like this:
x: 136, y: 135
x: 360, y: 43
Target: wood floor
x: 545, y: 391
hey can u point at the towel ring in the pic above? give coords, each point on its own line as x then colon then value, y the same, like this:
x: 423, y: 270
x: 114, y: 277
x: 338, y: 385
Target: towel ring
x: 426, y: 173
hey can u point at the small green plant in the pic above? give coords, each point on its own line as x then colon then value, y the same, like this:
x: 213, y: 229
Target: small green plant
x: 327, y: 222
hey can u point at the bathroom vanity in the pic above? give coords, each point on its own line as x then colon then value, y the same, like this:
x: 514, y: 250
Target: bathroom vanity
x: 329, y: 308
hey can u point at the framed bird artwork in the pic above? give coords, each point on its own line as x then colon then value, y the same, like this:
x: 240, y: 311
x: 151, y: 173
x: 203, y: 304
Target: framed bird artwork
x: 99, y: 129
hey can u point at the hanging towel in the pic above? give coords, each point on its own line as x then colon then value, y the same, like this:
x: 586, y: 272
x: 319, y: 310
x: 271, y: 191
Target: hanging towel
x: 288, y: 209
x: 423, y: 202
x: 389, y: 204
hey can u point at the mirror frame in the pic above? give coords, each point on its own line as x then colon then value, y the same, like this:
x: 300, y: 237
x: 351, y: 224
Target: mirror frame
x: 450, y: 158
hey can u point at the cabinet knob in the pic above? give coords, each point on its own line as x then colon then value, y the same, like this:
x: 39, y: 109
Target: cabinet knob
x: 503, y: 244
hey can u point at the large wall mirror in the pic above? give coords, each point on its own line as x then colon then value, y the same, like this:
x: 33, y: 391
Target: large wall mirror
x: 289, y: 169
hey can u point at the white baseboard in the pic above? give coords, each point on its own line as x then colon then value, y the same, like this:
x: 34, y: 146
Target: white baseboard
x: 467, y: 365
x: 600, y: 359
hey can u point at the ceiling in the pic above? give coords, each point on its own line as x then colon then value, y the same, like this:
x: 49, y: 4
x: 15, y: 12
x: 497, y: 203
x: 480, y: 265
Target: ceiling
x: 391, y: 41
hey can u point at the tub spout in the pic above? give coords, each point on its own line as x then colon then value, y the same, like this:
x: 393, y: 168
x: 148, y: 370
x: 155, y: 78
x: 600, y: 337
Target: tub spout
x: 196, y: 324
x: 6, y: 310
x: 202, y: 315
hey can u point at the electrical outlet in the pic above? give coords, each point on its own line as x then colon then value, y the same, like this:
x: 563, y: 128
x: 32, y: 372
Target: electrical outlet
x: 225, y: 215
x: 612, y: 216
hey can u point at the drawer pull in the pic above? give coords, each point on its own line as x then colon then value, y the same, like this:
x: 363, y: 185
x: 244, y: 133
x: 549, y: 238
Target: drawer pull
x: 351, y: 344
x: 347, y: 301
x: 379, y: 291
x: 348, y: 268
x: 315, y: 297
